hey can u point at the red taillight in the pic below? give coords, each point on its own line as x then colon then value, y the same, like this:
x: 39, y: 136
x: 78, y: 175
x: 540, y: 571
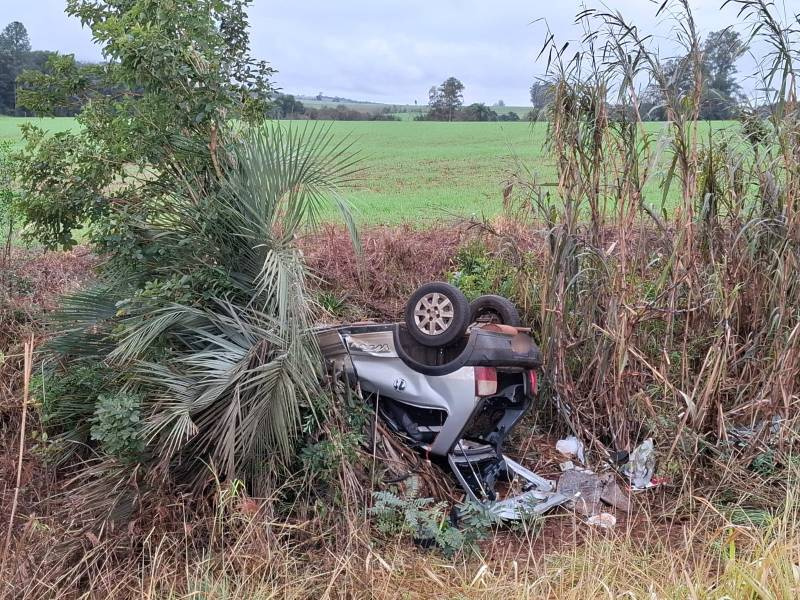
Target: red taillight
x: 532, y: 383
x: 485, y: 381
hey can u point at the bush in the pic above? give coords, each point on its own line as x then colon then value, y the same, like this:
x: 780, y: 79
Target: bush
x: 8, y: 194
x: 478, y: 272
x: 62, y: 397
x: 117, y: 425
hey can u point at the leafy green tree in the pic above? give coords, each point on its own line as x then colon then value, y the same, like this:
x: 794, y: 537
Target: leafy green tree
x: 7, y: 84
x: 9, y: 200
x: 452, y: 94
x: 541, y: 94
x: 178, y: 76
x: 721, y: 90
x: 478, y: 112
x: 435, y: 104
x: 200, y: 308
x: 446, y: 100
x: 15, y: 47
x: 287, y: 106
x: 14, y: 39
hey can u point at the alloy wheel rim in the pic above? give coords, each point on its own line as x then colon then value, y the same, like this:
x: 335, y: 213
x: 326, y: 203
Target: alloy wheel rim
x: 434, y: 313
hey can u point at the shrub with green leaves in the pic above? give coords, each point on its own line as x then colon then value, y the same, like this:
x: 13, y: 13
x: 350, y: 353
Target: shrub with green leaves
x: 422, y: 518
x: 9, y: 196
x: 117, y: 425
x: 200, y: 306
x: 478, y: 272
x: 61, y: 397
x: 429, y: 521
x: 194, y: 80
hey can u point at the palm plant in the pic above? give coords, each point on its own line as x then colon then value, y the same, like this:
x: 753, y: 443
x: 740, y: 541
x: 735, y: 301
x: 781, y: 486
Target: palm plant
x: 218, y: 341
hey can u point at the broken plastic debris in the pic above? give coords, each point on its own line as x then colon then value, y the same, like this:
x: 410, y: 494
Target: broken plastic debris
x: 642, y: 465
x: 612, y: 494
x: 586, y: 491
x: 583, y: 490
x: 571, y: 447
x: 604, y: 520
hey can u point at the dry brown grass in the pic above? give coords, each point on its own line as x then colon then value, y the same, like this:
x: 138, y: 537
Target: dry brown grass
x: 254, y: 556
x: 392, y: 263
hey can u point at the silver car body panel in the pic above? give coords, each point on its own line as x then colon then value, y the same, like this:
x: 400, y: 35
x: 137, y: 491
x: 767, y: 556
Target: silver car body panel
x: 379, y: 370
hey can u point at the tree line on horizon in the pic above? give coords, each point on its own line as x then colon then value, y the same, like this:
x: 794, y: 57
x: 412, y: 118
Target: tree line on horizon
x: 722, y: 96
x: 446, y: 103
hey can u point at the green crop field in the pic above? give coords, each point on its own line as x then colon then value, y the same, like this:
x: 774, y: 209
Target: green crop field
x: 10, y: 132
x: 425, y: 172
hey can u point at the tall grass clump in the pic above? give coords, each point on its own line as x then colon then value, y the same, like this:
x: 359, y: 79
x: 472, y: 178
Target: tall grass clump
x: 679, y: 323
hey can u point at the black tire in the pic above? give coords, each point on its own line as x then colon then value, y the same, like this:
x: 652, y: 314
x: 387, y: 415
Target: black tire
x: 437, y: 314
x: 496, y: 309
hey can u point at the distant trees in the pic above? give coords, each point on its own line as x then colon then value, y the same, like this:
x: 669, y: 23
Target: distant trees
x: 478, y: 112
x: 445, y: 103
x: 14, y: 39
x: 720, y: 96
x: 446, y: 100
x: 343, y: 113
x: 286, y: 106
x: 509, y: 116
x: 541, y: 94
x: 721, y: 93
x: 15, y: 56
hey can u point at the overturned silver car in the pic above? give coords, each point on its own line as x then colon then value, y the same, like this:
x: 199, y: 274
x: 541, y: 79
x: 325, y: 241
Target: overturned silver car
x: 452, y: 380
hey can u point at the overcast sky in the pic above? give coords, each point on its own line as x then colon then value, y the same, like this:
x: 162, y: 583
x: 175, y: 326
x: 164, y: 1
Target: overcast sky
x: 391, y: 51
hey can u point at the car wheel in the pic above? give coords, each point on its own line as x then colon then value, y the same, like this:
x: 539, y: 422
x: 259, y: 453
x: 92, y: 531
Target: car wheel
x: 437, y: 314
x: 494, y: 309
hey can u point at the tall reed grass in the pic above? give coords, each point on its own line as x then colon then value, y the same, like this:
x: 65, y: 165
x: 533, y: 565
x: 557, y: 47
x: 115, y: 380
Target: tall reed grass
x: 673, y: 324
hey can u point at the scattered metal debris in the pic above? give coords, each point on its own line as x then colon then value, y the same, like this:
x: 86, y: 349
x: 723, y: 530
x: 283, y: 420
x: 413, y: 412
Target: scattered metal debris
x: 583, y: 489
x: 588, y: 491
x: 612, y: 494
x: 641, y: 466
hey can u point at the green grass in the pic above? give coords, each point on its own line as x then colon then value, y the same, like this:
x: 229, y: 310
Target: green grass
x: 9, y: 126
x: 426, y: 172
